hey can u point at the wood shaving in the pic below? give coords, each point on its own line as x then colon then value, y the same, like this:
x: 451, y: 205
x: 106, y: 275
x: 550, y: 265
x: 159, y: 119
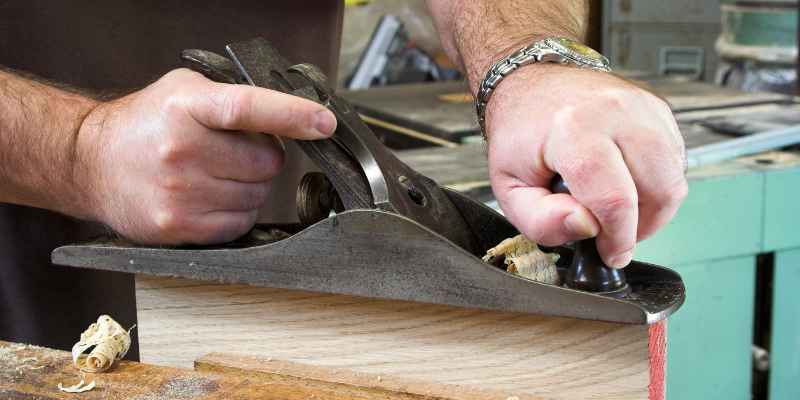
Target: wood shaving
x: 524, y: 258
x: 76, y: 388
x: 108, y: 342
x: 270, y: 235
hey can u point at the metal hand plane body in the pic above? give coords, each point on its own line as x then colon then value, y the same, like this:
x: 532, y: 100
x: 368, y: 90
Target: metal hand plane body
x: 372, y: 226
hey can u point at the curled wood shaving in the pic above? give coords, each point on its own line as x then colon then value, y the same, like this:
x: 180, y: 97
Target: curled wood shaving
x: 76, y: 388
x: 108, y: 342
x: 524, y: 258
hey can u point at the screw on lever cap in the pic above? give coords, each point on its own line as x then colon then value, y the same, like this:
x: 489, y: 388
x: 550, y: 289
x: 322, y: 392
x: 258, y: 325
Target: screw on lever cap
x: 587, y: 271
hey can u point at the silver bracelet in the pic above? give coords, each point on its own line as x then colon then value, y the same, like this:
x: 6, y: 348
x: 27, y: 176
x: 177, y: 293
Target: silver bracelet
x: 556, y: 49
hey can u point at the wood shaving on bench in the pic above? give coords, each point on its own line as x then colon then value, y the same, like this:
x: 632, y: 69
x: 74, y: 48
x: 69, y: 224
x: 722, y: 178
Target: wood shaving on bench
x: 76, y: 388
x: 524, y: 258
x: 108, y: 342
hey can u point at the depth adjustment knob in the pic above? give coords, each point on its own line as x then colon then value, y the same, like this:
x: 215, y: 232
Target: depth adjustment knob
x: 587, y: 271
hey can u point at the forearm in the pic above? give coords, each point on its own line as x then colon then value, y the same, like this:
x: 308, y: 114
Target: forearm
x: 475, y: 34
x: 38, y: 132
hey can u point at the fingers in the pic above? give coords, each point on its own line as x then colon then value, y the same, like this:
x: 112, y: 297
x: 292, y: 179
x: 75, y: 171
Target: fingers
x: 599, y: 179
x: 203, y: 194
x: 224, y: 226
x: 254, y: 109
x: 546, y: 218
x: 655, y: 162
x: 201, y: 210
x: 241, y: 157
x: 195, y: 208
x: 211, y: 227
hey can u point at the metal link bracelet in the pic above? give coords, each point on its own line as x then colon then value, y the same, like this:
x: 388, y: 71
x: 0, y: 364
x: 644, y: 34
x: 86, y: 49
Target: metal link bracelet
x: 558, y: 50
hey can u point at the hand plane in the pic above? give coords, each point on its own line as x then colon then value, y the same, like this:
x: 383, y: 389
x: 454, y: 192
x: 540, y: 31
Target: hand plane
x: 372, y: 226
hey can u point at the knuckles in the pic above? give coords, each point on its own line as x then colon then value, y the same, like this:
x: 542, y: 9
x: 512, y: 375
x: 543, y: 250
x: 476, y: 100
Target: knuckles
x: 172, y: 150
x: 170, y: 183
x: 181, y: 77
x: 613, y: 205
x: 270, y: 161
x: 254, y: 199
x: 234, y: 108
x: 171, y: 225
x: 609, y: 206
x: 675, y: 193
x: 297, y: 117
x: 179, y: 74
x: 580, y: 169
x: 613, y: 99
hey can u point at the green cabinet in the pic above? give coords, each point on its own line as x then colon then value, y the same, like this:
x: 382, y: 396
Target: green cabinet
x: 784, y: 372
x: 709, y: 340
x: 734, y: 212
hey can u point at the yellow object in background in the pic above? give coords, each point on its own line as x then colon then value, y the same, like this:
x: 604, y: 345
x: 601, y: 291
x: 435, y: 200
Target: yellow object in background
x: 349, y: 3
x: 456, y: 97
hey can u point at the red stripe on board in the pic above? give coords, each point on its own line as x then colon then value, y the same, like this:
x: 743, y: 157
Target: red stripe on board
x: 657, y: 347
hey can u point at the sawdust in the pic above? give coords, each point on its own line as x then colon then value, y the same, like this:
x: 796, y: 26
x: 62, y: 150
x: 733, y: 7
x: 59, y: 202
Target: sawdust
x: 524, y: 258
x: 10, y: 362
x: 182, y: 388
x: 10, y: 356
x: 14, y: 361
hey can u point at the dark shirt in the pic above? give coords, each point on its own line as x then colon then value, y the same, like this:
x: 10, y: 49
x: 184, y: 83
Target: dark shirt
x: 119, y: 45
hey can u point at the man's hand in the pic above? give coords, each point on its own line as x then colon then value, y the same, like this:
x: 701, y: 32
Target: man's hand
x: 184, y: 160
x: 616, y: 145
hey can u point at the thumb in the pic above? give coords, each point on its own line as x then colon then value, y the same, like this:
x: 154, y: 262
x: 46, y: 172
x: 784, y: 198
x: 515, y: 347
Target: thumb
x: 254, y: 109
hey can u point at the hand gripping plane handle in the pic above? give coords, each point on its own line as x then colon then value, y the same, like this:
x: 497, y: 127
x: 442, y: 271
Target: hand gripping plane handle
x: 587, y: 271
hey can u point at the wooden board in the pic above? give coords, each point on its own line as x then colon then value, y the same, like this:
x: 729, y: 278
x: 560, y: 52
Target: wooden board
x: 337, y: 380
x: 550, y: 358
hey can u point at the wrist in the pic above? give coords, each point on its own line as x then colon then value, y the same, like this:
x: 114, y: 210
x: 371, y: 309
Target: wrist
x: 559, y: 50
x: 477, y: 65
x: 517, y: 89
x: 84, y: 177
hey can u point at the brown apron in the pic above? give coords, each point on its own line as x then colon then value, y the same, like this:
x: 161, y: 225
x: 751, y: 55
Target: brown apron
x: 119, y: 45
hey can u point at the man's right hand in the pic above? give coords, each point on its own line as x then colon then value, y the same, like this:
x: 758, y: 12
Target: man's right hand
x: 185, y: 160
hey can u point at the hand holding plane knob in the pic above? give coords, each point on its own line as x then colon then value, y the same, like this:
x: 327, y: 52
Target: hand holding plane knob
x: 587, y: 271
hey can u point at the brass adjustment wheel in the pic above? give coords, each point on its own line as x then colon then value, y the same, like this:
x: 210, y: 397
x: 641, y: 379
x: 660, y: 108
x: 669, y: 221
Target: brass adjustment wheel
x: 316, y: 197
